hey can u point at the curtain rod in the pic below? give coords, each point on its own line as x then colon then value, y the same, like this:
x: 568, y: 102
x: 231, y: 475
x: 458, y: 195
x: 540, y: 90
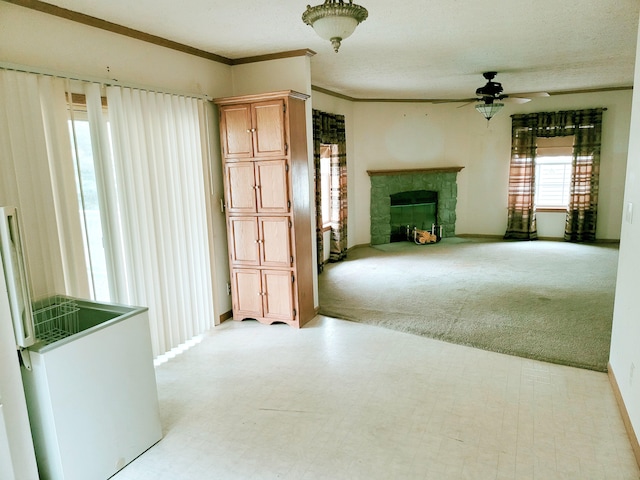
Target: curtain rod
x: 110, y: 82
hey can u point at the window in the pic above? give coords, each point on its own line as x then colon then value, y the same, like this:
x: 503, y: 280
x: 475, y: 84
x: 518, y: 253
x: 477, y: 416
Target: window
x: 89, y: 201
x: 326, y: 152
x: 553, y: 172
x: 553, y: 178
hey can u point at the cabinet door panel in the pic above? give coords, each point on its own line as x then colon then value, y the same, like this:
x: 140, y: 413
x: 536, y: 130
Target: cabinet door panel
x: 269, y: 135
x: 273, y: 193
x: 278, y: 301
x: 237, y: 138
x: 246, y: 293
x: 275, y: 246
x: 244, y: 241
x: 240, y: 187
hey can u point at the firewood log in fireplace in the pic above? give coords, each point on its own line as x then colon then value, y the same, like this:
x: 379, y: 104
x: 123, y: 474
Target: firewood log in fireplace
x: 424, y: 236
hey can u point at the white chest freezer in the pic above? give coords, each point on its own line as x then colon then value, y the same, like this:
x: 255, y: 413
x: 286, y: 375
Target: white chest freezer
x: 87, y: 371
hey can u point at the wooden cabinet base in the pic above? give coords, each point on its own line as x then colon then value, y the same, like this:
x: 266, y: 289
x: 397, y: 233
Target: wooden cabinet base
x: 271, y: 321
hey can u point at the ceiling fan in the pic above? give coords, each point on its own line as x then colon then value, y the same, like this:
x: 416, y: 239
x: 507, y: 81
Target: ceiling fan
x: 492, y: 91
x: 489, y: 97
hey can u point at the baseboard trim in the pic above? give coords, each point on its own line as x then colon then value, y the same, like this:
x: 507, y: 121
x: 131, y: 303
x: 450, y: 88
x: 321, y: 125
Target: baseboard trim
x: 478, y: 235
x: 549, y: 239
x: 225, y: 316
x: 608, y: 240
x: 633, y: 438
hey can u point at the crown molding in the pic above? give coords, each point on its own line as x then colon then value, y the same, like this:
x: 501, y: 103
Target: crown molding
x: 274, y: 56
x: 591, y: 90
x: 331, y: 93
x: 379, y: 100
x: 315, y: 88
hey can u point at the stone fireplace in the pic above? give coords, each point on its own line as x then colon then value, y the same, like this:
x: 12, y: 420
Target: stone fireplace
x: 408, y: 187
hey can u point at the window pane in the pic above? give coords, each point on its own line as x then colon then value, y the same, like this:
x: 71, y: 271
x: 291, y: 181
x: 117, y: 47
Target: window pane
x: 553, y: 181
x: 325, y: 173
x: 90, y: 210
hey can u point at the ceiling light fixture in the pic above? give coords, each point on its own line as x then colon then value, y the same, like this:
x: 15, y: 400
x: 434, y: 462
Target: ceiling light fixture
x: 334, y: 20
x: 488, y: 110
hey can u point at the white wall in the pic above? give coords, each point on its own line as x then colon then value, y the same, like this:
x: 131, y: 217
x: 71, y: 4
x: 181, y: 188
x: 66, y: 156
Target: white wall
x: 625, y: 339
x: 423, y: 135
x: 292, y: 73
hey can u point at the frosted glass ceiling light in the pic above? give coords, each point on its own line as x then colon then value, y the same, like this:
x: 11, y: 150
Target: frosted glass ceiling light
x: 334, y: 20
x: 488, y: 110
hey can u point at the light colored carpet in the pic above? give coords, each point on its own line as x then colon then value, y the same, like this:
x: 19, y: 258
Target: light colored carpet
x: 546, y: 300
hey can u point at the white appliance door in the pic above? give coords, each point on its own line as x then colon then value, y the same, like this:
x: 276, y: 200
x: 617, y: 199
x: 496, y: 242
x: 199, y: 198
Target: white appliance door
x: 15, y: 273
x: 16, y: 445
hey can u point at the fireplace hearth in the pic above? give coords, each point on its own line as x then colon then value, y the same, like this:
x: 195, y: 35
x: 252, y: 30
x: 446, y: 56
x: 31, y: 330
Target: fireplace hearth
x: 388, y: 184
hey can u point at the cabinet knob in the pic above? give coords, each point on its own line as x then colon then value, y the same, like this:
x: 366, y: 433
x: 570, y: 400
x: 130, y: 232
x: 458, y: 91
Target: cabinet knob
x: 251, y: 130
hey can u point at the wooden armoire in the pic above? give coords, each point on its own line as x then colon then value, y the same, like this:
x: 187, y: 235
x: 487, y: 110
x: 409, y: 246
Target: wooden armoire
x: 268, y: 206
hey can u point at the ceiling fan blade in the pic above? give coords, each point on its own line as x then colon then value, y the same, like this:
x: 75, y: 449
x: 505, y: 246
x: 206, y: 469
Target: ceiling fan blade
x: 468, y: 103
x: 530, y: 95
x: 520, y: 98
x: 517, y: 100
x: 535, y: 94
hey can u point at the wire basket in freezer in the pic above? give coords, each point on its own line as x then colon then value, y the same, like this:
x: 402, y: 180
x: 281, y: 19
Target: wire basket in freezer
x: 55, y: 318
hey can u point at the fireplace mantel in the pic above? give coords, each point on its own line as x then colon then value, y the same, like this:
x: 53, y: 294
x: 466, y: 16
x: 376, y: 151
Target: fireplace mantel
x: 407, y: 171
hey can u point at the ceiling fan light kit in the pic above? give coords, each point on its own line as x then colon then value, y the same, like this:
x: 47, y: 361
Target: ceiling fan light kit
x: 488, y: 110
x: 334, y: 20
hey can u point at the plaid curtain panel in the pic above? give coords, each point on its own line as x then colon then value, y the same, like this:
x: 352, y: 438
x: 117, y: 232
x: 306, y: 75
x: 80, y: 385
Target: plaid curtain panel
x: 329, y: 128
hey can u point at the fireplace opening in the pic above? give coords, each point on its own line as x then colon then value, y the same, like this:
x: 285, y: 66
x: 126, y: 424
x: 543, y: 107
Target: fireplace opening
x: 417, y: 208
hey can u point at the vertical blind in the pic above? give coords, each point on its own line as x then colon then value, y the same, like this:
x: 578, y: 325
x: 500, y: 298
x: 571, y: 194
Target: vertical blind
x: 36, y: 176
x: 157, y: 160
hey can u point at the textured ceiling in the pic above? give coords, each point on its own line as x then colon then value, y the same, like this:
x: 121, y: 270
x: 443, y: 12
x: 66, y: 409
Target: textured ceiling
x: 414, y: 49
